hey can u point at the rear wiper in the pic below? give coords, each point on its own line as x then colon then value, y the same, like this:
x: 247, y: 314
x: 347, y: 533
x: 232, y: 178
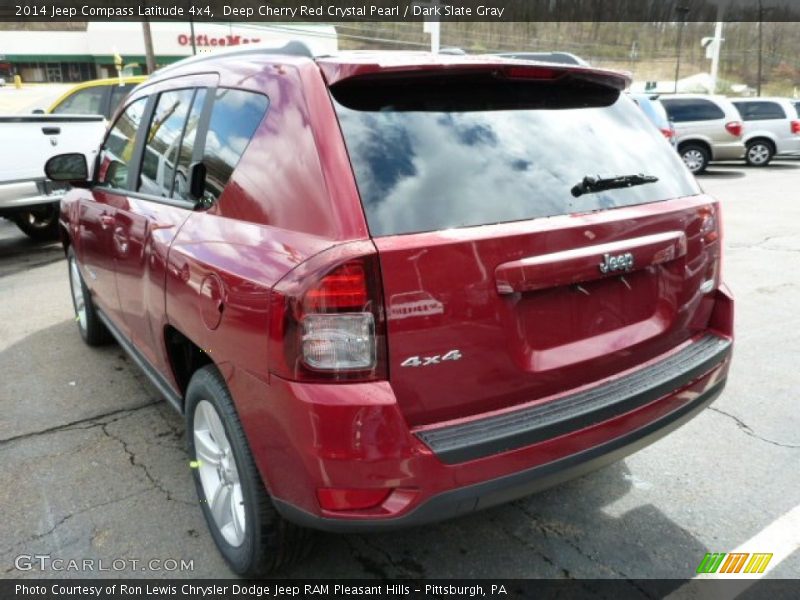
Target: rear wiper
x: 598, y: 184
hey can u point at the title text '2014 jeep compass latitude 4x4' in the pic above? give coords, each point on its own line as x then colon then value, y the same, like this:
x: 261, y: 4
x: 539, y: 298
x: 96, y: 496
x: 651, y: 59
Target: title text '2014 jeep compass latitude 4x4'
x: 391, y: 288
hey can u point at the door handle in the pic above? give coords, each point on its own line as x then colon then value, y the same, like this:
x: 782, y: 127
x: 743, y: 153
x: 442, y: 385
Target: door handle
x: 51, y: 130
x: 106, y: 221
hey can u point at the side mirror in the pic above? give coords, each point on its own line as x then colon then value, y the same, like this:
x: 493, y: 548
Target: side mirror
x: 197, y: 181
x: 70, y: 168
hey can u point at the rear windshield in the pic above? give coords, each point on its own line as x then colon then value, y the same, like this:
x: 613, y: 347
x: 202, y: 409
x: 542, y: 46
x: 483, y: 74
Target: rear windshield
x: 437, y: 155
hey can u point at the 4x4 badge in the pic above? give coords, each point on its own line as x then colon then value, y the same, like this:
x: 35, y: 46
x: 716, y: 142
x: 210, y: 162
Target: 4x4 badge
x: 426, y: 361
x: 620, y: 262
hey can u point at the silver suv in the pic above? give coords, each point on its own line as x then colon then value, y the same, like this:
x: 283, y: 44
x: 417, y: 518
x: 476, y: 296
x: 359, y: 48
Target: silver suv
x: 771, y: 126
x: 708, y: 128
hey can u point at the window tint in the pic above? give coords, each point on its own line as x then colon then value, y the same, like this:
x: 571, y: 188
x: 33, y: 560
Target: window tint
x: 234, y: 118
x: 682, y: 110
x: 181, y: 187
x: 760, y: 111
x: 455, y: 159
x: 118, y: 93
x: 90, y: 101
x: 163, y: 139
x: 117, y: 151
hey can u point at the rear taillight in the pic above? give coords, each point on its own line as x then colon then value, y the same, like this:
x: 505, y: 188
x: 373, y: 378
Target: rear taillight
x: 711, y: 237
x: 734, y: 128
x: 795, y: 125
x: 327, y: 319
x: 668, y: 133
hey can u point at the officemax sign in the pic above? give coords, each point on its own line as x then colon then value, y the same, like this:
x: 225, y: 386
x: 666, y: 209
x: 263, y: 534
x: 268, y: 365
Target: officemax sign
x: 204, y: 40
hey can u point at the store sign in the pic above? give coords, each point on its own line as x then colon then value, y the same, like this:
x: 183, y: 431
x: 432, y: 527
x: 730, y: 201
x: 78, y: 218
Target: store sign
x: 204, y: 40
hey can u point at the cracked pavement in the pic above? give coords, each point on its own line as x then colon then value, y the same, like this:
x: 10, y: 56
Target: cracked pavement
x: 94, y: 462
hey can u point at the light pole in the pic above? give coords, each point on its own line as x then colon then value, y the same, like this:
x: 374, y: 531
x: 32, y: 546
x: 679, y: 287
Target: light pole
x: 682, y: 12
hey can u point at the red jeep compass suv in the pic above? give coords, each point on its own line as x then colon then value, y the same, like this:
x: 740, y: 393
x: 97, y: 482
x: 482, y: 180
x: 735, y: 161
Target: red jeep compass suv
x: 391, y: 288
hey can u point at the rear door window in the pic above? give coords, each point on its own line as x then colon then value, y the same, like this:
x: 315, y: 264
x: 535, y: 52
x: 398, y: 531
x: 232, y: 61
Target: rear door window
x: 436, y: 155
x: 683, y: 110
x: 163, y: 142
x: 235, y: 116
x: 760, y: 111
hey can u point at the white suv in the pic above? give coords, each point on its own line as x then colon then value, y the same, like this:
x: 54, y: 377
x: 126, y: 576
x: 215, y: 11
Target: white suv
x: 771, y: 126
x: 708, y: 128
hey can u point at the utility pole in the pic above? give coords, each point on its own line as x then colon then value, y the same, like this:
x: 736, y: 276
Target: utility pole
x: 148, y: 47
x: 760, y: 47
x: 431, y: 25
x: 715, y: 49
x: 191, y: 30
x: 682, y: 12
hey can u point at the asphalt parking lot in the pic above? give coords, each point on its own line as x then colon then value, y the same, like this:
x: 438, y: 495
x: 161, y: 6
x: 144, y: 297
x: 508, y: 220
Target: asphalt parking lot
x: 94, y: 464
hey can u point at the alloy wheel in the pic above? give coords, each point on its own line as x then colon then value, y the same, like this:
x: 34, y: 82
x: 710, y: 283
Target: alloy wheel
x: 694, y: 160
x: 77, y: 293
x: 758, y: 154
x: 219, y: 473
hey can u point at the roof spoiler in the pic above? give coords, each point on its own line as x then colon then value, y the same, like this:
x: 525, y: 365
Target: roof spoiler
x: 291, y: 48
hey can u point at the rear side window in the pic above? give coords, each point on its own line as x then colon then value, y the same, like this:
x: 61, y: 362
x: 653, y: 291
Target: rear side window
x: 163, y: 142
x: 235, y: 117
x: 89, y: 101
x: 437, y: 156
x: 682, y: 110
x: 117, y: 151
x: 760, y: 111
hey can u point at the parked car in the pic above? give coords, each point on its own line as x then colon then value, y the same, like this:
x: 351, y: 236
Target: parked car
x: 388, y: 288
x: 708, y: 128
x: 655, y: 111
x: 26, y: 197
x: 771, y: 127
x: 96, y: 97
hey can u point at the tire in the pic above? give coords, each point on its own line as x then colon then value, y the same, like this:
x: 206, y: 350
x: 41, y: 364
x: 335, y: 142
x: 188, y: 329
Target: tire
x: 759, y: 153
x: 39, y: 223
x: 263, y: 542
x: 91, y: 328
x: 695, y: 157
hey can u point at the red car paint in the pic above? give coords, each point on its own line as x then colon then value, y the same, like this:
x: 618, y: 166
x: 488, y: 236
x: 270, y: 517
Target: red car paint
x: 523, y: 303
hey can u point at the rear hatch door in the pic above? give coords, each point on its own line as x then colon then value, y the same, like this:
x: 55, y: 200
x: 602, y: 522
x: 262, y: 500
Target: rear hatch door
x: 503, y: 287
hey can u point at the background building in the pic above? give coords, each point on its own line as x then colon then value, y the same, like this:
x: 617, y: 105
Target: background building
x: 67, y: 56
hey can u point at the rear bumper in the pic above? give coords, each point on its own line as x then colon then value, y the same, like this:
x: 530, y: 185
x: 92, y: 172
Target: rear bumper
x: 467, y: 499
x: 21, y: 195
x: 789, y: 146
x: 728, y: 150
x: 354, y: 437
